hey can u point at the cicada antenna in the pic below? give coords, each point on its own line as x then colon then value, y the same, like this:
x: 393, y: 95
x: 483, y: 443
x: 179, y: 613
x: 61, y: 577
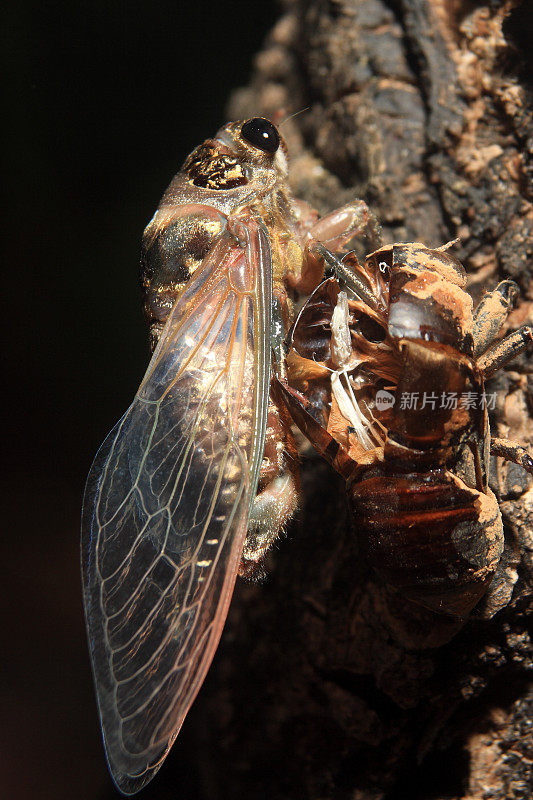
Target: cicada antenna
x: 292, y: 116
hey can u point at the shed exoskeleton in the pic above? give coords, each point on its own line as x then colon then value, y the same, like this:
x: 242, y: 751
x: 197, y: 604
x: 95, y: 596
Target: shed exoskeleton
x: 387, y: 379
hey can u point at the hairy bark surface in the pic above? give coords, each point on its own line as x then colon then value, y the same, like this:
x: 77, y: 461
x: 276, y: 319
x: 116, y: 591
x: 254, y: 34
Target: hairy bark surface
x: 326, y: 685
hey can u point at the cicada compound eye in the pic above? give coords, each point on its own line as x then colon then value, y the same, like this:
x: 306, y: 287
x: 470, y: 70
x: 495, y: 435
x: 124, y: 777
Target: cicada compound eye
x: 261, y: 133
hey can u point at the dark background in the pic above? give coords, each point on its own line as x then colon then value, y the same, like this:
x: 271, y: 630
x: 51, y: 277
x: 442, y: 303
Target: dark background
x: 104, y: 101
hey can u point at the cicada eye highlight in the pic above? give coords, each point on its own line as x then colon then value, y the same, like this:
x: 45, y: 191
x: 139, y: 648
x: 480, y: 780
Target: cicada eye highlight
x: 261, y: 133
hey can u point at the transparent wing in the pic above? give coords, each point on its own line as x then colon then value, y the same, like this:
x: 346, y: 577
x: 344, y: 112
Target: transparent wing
x: 166, y: 505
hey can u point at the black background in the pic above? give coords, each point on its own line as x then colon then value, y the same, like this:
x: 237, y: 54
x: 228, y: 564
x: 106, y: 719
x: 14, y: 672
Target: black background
x: 104, y: 100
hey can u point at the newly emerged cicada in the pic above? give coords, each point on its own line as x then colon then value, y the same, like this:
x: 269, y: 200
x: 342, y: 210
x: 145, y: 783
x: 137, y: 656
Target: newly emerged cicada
x: 387, y: 378
x: 198, y: 477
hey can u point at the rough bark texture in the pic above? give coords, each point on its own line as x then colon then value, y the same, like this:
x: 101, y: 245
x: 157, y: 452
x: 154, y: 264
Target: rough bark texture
x: 326, y: 686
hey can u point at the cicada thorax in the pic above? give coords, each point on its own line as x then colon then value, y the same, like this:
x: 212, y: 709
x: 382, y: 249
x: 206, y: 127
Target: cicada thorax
x: 223, y: 177
x: 416, y: 463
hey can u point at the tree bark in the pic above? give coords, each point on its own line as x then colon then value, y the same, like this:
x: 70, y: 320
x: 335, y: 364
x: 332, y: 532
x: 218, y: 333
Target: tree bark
x: 326, y: 685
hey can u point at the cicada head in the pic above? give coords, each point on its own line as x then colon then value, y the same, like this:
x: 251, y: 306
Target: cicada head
x: 239, y: 153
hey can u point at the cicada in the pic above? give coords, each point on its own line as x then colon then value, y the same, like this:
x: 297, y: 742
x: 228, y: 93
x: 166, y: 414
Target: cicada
x: 199, y: 476
x: 387, y: 378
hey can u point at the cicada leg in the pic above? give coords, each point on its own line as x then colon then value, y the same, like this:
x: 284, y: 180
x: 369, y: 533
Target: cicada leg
x: 337, y: 228
x: 489, y: 317
x: 512, y: 451
x: 331, y: 232
x: 279, y: 479
x: 491, y: 313
x: 501, y: 353
x: 277, y: 498
x: 345, y: 273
